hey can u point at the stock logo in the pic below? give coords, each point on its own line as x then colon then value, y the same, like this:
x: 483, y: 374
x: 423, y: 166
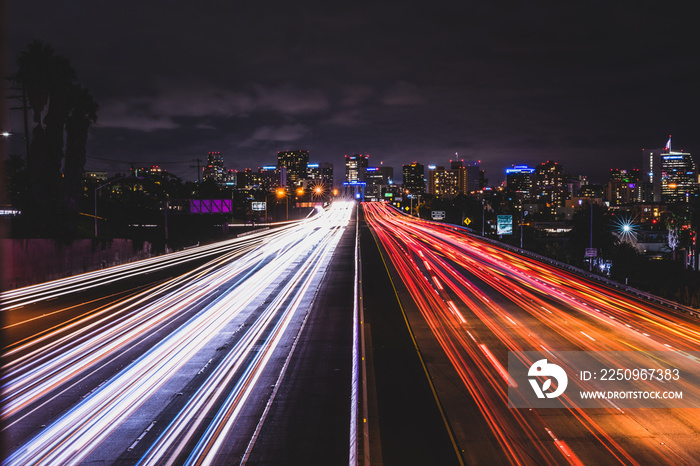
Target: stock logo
x: 541, y: 369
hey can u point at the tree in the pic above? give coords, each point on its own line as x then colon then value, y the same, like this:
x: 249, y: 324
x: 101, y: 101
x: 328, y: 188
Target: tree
x: 83, y: 114
x: 62, y: 112
x: 580, y: 234
x: 673, y: 223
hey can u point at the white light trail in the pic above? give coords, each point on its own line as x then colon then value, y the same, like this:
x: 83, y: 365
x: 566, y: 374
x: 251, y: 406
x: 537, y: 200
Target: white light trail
x: 296, y: 256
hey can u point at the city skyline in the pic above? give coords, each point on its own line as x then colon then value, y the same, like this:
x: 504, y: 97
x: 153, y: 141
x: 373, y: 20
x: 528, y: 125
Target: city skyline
x: 518, y: 85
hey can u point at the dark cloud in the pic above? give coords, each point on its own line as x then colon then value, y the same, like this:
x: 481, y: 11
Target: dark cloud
x: 585, y: 83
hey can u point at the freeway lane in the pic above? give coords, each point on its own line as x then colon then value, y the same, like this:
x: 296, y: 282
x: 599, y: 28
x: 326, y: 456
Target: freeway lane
x: 214, y: 340
x: 30, y: 311
x: 470, y: 302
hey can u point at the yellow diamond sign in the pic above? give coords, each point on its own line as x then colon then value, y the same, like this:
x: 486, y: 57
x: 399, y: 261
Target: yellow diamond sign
x: 467, y: 221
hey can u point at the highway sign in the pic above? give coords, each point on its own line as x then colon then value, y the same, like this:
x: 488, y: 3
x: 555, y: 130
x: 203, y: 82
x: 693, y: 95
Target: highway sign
x: 504, y: 224
x: 467, y: 221
x: 438, y: 214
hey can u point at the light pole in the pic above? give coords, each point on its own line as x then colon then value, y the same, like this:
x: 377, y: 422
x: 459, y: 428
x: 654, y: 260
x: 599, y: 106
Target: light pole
x: 590, y: 259
x: 280, y: 193
x: 521, y: 227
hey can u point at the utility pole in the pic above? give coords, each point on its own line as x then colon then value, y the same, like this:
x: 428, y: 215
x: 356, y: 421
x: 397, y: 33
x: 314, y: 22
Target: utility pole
x: 165, y: 221
x: 23, y: 101
x: 199, y: 169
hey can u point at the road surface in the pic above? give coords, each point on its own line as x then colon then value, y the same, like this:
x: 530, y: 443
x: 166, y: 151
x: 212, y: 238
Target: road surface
x: 469, y: 303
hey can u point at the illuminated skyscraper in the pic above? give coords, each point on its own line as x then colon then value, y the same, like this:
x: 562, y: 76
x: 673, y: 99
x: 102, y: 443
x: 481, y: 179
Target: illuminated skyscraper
x: 549, y: 185
x: 678, y: 177
x: 445, y: 183
x: 295, y: 162
x: 651, y: 164
x: 355, y: 167
x: 414, y: 178
x: 672, y: 175
x: 215, y: 170
x: 377, y: 179
x: 623, y: 187
x: 519, y: 179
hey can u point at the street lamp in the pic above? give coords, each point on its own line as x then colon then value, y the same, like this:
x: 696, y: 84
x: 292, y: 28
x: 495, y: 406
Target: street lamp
x: 282, y: 193
x: 483, y: 215
x: 590, y: 259
x: 627, y: 232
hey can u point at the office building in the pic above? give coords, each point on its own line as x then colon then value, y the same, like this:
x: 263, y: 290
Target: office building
x: 623, y: 187
x: 414, y: 178
x: 295, y: 164
x: 670, y: 176
x: 549, y: 185
x: 320, y: 174
x: 679, y: 177
x: 446, y: 183
x: 377, y: 180
x: 215, y: 169
x: 519, y: 179
x: 355, y: 167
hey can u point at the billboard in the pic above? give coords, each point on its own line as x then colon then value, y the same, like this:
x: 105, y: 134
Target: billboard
x: 259, y: 205
x: 210, y: 206
x: 504, y: 225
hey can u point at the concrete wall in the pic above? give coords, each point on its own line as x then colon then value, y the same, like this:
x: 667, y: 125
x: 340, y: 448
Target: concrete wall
x: 29, y: 261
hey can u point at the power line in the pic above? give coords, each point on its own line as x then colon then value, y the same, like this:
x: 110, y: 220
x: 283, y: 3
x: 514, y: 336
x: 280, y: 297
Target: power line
x: 199, y: 170
x: 168, y: 162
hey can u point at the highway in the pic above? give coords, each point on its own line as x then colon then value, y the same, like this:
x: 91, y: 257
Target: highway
x: 468, y: 303
x: 175, y: 369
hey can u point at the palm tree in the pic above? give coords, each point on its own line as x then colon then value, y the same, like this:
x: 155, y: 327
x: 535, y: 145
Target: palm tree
x: 49, y: 81
x: 34, y: 75
x: 83, y: 114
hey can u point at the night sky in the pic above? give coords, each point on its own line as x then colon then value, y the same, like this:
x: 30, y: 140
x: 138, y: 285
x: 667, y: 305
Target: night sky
x: 586, y: 84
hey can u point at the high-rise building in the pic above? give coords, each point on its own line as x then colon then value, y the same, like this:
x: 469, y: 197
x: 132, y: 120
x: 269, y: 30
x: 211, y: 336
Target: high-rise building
x: 377, y: 179
x: 355, y: 167
x: 651, y: 164
x: 245, y: 179
x: 269, y: 177
x: 445, y: 183
x: 549, y: 185
x: 670, y: 176
x: 678, y: 177
x: 623, y: 187
x: 414, y: 178
x: 215, y: 169
x: 471, y: 177
x: 320, y: 174
x: 295, y: 162
x: 519, y: 179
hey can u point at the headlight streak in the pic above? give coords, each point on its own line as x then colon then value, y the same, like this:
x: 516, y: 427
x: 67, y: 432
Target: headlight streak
x: 32, y: 375
x: 72, y: 437
x: 580, y: 305
x: 22, y: 296
x: 175, y: 437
